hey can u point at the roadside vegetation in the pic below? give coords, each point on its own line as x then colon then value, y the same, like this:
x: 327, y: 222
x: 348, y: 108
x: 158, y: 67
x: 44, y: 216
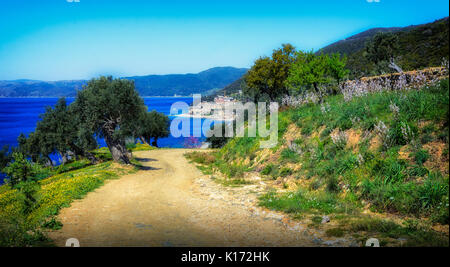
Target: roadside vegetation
x: 36, y: 188
x: 374, y: 158
x: 29, y: 209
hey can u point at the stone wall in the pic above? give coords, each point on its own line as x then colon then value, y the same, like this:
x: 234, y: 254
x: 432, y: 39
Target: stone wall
x: 394, y: 81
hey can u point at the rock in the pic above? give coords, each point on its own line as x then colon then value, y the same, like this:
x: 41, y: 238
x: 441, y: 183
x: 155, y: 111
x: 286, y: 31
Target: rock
x: 325, y: 219
x: 335, y: 243
x: 317, y: 241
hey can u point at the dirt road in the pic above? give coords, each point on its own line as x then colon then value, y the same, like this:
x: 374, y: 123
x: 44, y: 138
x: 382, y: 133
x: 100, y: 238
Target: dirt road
x: 171, y: 203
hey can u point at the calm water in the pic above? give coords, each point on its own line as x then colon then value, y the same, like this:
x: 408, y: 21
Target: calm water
x: 19, y: 115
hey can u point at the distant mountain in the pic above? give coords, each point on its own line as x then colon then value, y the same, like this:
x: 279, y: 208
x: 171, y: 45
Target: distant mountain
x: 230, y: 90
x: 32, y: 88
x: 151, y: 85
x: 187, y: 84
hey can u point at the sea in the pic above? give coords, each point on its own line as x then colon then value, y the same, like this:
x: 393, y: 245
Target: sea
x: 20, y: 115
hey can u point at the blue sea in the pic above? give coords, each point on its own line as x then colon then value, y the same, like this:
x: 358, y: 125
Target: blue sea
x: 19, y: 115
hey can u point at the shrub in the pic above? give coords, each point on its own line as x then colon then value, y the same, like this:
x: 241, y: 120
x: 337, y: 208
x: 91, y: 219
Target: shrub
x: 267, y: 169
x: 332, y: 184
x: 421, y: 156
x: 285, y: 172
x: 289, y: 155
x: 20, y: 170
x: 201, y: 157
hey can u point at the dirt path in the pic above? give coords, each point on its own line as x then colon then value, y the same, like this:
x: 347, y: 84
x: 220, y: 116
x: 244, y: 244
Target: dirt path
x: 171, y: 203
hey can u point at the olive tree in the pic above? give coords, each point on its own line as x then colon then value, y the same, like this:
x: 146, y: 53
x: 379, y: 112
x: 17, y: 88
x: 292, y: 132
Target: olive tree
x: 153, y: 125
x: 383, y: 48
x: 267, y: 76
x: 110, y: 108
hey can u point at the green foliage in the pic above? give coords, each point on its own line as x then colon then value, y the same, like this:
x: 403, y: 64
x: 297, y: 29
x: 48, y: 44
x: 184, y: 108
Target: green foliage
x: 421, y: 156
x: 267, y: 169
x: 266, y: 78
x: 309, y: 69
x: 30, y: 195
x: 289, y: 155
x: 5, y: 157
x: 20, y: 170
x: 336, y: 232
x: 200, y: 157
x: 382, y: 47
x: 419, y: 47
x: 218, y: 141
x: 304, y: 202
x: 153, y: 125
x: 337, y: 67
x: 414, y: 233
x: 110, y: 108
x: 285, y: 171
x: 53, y: 224
x: 34, y: 204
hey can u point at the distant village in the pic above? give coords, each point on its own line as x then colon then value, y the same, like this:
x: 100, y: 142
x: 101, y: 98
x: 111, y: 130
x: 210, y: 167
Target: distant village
x: 212, y: 110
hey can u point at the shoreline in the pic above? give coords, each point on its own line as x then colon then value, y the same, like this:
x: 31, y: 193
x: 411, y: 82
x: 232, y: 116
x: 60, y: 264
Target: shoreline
x: 186, y: 115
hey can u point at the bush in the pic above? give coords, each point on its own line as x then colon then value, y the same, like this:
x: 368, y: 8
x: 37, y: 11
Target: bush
x: 20, y: 169
x: 267, y: 169
x: 421, y: 156
x: 201, y: 157
x: 285, y: 172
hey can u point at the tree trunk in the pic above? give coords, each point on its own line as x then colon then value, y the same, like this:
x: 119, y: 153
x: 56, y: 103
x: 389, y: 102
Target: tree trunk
x: 143, y: 140
x: 64, y: 158
x: 316, y: 88
x: 118, y: 150
x: 78, y: 151
x: 395, y: 66
x: 50, y: 162
x: 155, y: 142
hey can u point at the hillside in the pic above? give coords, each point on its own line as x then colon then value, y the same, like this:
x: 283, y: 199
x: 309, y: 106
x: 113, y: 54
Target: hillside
x: 231, y: 89
x: 357, y: 42
x: 151, y: 85
x: 373, y: 166
x: 420, y: 46
x: 186, y: 84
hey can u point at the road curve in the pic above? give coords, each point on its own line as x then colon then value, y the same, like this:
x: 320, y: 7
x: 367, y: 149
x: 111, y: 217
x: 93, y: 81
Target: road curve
x: 164, y: 205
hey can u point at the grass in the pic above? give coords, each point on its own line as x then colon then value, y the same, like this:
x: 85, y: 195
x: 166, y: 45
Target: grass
x: 231, y: 182
x: 341, y: 179
x: 412, y: 231
x: 304, y: 201
x: 58, y: 187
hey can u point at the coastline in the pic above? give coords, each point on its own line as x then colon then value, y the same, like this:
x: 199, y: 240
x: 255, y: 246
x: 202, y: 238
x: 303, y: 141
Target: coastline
x: 214, y: 118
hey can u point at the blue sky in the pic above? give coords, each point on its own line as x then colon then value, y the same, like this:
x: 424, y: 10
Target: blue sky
x: 56, y: 39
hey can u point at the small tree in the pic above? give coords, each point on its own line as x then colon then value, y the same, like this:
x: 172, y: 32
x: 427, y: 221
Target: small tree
x: 268, y: 74
x: 60, y: 131
x: 5, y: 156
x: 153, y: 125
x: 19, y: 169
x: 336, y: 68
x: 110, y: 108
x: 308, y: 70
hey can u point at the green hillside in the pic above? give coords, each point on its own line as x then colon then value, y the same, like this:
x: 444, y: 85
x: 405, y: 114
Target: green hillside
x: 419, y: 46
x: 377, y: 165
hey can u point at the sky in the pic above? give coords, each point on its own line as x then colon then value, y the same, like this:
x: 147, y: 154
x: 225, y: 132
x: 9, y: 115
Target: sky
x: 65, y: 40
